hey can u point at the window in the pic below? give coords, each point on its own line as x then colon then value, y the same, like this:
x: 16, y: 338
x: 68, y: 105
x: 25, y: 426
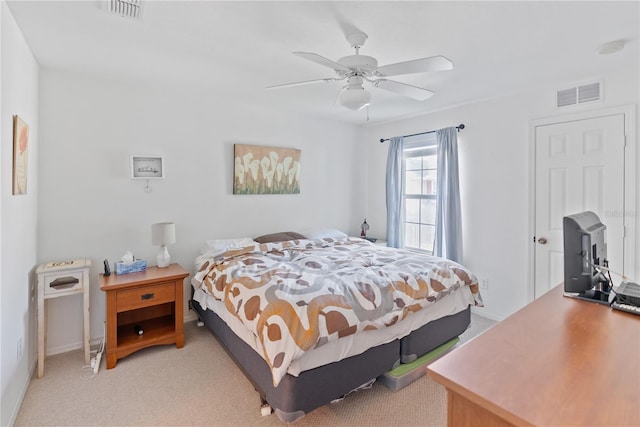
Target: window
x: 420, y: 186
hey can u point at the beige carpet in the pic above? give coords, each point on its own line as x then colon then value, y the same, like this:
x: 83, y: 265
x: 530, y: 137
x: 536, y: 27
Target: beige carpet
x: 200, y: 385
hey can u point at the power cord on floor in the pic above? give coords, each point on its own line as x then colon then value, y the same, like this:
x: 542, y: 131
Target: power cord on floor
x: 89, y: 371
x: 86, y: 372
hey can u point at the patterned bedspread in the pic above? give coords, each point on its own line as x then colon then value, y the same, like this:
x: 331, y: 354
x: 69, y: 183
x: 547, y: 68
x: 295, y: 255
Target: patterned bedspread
x: 298, y: 295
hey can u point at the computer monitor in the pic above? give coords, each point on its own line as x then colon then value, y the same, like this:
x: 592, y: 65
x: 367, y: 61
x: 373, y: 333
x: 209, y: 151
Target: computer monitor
x: 585, y: 249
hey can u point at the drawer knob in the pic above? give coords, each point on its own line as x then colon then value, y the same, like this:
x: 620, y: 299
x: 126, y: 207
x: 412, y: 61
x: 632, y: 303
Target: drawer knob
x: 146, y: 296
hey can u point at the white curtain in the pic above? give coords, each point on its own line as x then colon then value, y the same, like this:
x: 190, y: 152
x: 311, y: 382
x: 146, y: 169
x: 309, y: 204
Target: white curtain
x: 395, y: 191
x: 448, y: 235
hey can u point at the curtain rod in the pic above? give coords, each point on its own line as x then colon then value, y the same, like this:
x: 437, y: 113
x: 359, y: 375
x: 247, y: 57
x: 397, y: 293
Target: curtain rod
x: 459, y: 127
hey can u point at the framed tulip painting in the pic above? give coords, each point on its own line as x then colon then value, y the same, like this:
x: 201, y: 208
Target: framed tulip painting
x: 266, y: 170
x: 20, y: 155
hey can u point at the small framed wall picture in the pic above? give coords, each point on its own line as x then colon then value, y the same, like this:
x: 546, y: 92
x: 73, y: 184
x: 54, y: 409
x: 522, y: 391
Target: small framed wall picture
x: 147, y: 167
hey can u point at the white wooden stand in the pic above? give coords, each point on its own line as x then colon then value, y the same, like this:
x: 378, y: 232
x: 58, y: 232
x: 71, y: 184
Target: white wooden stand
x: 59, y: 279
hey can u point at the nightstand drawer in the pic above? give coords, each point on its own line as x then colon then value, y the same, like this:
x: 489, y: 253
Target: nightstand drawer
x: 63, y: 282
x: 145, y: 296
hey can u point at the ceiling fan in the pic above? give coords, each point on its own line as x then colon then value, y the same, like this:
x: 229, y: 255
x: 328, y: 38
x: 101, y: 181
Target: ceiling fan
x: 356, y: 69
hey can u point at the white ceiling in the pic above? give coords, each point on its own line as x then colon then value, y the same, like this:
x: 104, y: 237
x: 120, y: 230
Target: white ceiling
x: 238, y: 48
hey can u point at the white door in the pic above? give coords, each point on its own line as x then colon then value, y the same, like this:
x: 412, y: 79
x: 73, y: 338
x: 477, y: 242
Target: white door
x: 579, y: 167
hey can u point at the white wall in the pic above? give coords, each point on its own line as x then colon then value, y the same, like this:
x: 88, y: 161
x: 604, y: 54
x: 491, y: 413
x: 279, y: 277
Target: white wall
x: 18, y: 218
x: 494, y: 156
x: 90, y: 207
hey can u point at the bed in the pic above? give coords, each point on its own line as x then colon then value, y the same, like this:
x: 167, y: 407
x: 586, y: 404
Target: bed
x: 308, y: 320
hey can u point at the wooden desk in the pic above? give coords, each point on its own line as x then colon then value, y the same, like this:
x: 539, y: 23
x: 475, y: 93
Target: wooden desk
x: 557, y: 362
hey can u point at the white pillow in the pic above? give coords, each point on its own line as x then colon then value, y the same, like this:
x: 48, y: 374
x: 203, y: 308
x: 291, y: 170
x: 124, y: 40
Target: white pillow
x: 221, y: 245
x: 325, y: 233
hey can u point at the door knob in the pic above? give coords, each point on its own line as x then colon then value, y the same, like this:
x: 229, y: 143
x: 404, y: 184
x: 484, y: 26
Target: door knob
x: 542, y: 241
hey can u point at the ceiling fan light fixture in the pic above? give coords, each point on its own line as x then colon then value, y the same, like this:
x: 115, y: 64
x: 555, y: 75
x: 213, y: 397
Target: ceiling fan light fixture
x: 355, y: 98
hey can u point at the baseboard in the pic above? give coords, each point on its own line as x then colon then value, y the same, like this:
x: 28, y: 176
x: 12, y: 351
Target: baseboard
x: 64, y: 348
x: 480, y: 312
x: 23, y: 392
x: 93, y: 342
x: 190, y: 316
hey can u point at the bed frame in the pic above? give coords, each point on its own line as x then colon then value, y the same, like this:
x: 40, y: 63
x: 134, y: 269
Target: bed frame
x: 296, y: 396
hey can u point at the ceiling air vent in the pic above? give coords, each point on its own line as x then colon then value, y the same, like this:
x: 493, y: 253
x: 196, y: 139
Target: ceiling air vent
x: 124, y: 8
x: 579, y: 94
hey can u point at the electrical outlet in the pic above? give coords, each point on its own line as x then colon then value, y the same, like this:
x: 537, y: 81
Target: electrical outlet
x: 484, y: 284
x: 19, y: 350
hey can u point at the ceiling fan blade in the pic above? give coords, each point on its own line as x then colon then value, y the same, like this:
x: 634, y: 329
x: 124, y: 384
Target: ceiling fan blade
x: 423, y: 65
x: 306, y: 82
x: 314, y: 57
x: 403, y: 89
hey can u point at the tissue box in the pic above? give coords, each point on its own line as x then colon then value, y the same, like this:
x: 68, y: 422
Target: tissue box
x: 131, y: 267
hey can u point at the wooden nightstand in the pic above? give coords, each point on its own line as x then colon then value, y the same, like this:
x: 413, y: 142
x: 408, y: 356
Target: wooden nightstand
x: 377, y: 241
x: 59, y: 279
x: 151, y: 300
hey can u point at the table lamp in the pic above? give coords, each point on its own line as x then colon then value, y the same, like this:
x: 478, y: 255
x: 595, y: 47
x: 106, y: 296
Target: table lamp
x: 163, y: 234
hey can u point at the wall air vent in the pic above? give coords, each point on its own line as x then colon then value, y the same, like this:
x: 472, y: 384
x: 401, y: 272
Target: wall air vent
x: 579, y: 94
x: 588, y: 93
x: 567, y: 97
x: 125, y: 8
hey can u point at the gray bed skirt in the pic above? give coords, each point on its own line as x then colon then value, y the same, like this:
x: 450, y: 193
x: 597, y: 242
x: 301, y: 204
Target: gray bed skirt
x: 296, y: 396
x: 433, y: 334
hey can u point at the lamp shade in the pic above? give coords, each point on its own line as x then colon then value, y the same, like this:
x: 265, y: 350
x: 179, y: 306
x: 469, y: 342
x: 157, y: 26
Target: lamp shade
x: 163, y: 233
x: 355, y: 97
